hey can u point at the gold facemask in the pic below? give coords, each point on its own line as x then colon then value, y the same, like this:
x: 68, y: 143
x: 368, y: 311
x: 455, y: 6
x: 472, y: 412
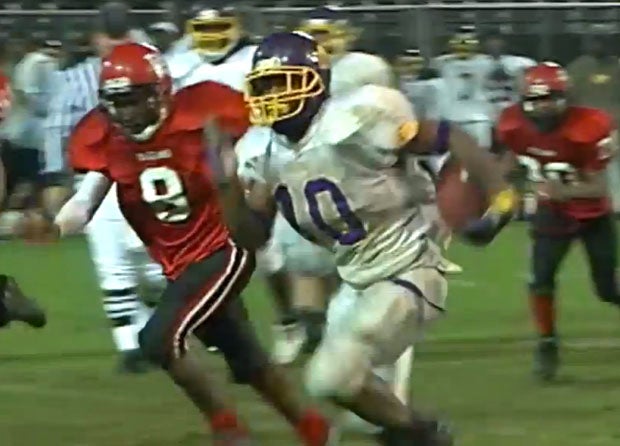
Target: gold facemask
x: 335, y: 38
x: 214, y: 35
x: 273, y: 101
x: 464, y: 45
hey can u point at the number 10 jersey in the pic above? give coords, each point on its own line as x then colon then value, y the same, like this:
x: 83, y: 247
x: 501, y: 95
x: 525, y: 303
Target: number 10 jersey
x: 343, y: 186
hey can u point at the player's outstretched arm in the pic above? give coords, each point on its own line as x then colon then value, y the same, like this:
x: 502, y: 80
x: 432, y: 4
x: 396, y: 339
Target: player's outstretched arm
x: 72, y: 217
x: 437, y: 137
x: 248, y: 212
x: 244, y: 202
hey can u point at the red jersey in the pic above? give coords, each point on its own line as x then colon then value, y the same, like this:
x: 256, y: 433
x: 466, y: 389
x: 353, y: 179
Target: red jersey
x: 165, y: 187
x: 579, y: 145
x: 5, y: 96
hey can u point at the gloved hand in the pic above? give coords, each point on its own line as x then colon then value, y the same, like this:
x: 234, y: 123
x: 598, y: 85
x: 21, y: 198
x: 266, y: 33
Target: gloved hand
x: 481, y: 232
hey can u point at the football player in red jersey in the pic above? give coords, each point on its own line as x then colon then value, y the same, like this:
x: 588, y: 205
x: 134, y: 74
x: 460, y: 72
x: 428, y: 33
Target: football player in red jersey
x: 565, y: 149
x: 152, y: 144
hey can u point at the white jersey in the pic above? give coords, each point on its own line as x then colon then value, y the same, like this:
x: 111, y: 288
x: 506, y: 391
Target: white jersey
x: 189, y: 68
x: 340, y: 186
x: 429, y: 97
x: 355, y: 69
x: 502, y: 79
x: 465, y: 80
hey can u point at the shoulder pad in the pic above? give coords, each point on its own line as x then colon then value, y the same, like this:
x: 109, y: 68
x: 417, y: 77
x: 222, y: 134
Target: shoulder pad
x: 510, y: 120
x: 348, y: 114
x: 86, y: 145
x: 195, y: 104
x: 183, y: 64
x: 231, y: 74
x: 587, y: 125
x: 92, y: 128
x: 361, y: 109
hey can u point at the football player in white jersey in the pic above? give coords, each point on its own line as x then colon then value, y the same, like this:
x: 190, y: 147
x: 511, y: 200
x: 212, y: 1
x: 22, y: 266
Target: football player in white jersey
x: 464, y: 72
x: 313, y: 275
x: 350, y: 69
x: 335, y: 172
x: 214, y: 37
x: 504, y: 72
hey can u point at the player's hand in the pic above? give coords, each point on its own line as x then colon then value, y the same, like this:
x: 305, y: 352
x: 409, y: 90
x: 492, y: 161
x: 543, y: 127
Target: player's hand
x: 482, y: 231
x: 552, y: 190
x: 220, y: 151
x: 36, y: 227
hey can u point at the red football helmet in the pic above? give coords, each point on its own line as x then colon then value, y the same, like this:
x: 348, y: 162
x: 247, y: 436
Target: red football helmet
x: 544, y: 93
x: 135, y: 88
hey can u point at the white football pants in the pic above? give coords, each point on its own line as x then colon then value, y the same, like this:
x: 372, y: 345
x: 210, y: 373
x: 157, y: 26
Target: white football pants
x: 113, y: 245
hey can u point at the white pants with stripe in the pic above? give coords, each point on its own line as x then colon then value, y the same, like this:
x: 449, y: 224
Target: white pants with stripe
x: 114, y: 248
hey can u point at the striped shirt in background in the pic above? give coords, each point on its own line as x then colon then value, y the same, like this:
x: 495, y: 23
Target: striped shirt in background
x: 76, y: 94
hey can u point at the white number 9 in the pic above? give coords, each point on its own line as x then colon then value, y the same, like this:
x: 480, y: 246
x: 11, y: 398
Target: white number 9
x: 163, y: 190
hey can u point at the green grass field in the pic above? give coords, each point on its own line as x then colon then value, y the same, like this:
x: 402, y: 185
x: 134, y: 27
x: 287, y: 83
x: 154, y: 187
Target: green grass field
x: 58, y: 387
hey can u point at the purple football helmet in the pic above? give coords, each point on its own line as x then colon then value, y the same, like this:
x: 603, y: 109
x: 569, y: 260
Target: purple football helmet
x: 288, y: 83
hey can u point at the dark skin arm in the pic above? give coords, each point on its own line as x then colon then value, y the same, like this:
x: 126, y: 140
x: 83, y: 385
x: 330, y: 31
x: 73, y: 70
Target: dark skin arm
x: 248, y: 212
x: 477, y: 161
x: 480, y: 165
x: 248, y: 208
x: 590, y: 185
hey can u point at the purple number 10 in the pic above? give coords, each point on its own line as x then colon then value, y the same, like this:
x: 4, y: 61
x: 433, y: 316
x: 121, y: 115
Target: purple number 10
x: 355, y: 229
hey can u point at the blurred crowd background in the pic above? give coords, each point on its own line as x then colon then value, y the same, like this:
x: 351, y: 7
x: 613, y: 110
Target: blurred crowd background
x: 541, y: 30
x: 56, y: 35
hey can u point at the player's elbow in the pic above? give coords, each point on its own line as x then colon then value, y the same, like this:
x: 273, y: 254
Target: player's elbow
x: 432, y: 137
x: 252, y: 230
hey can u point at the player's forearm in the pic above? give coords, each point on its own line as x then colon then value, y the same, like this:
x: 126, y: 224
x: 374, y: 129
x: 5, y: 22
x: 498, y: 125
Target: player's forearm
x: 77, y: 212
x: 72, y: 217
x: 477, y: 161
x: 249, y: 227
x: 594, y: 188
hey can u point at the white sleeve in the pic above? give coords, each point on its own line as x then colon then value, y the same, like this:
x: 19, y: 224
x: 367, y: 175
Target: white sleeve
x: 77, y: 212
x: 183, y: 68
x: 252, y: 150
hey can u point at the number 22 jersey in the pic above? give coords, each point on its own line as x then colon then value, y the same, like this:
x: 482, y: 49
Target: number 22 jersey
x: 166, y: 188
x: 582, y: 143
x: 343, y: 186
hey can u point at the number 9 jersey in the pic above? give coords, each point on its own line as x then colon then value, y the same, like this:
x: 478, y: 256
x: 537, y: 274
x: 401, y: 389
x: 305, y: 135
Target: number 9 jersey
x: 343, y: 187
x: 166, y: 188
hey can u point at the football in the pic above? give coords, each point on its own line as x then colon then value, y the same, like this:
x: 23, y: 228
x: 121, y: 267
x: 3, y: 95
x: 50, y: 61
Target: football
x: 459, y: 199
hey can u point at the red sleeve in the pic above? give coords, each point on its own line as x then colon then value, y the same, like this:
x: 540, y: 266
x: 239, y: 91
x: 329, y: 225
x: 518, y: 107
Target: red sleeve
x: 206, y: 100
x: 85, y: 147
x: 507, y: 124
x: 5, y: 96
x: 233, y: 116
x: 601, y: 142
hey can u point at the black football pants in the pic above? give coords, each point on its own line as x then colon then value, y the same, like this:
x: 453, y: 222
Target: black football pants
x: 550, y: 247
x: 205, y: 301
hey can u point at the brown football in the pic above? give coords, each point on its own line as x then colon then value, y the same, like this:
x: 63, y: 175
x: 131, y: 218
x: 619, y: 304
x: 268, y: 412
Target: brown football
x: 459, y: 199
